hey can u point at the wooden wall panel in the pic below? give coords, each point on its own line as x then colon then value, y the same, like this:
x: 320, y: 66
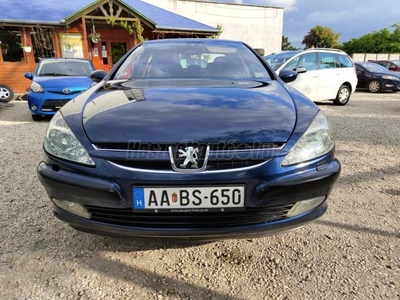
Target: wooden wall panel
x: 12, y: 74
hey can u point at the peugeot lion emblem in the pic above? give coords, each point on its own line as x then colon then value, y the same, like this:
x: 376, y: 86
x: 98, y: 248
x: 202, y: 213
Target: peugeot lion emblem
x: 189, y: 158
x: 191, y: 155
x: 66, y: 91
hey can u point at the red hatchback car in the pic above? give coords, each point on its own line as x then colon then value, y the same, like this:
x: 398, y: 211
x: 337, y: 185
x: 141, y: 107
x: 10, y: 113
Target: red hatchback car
x: 392, y: 65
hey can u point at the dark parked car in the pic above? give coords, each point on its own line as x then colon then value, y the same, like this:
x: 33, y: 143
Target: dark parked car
x: 55, y: 81
x: 6, y: 93
x: 392, y: 65
x: 376, y: 78
x: 165, y: 149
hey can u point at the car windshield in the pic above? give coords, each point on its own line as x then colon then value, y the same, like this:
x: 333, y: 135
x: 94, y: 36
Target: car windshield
x: 375, y: 68
x: 192, y: 59
x: 276, y: 60
x: 64, y: 68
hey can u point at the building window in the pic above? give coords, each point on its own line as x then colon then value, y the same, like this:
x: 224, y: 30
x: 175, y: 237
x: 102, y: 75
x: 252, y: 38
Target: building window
x: 10, y: 39
x: 42, y: 39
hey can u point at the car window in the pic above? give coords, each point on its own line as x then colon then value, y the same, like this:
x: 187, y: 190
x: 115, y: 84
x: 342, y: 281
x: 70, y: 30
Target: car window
x: 359, y: 68
x: 384, y: 64
x: 278, y: 59
x: 292, y: 64
x: 309, y: 60
x: 173, y: 60
x: 372, y: 67
x: 327, y: 60
x: 64, y: 68
x: 345, y: 61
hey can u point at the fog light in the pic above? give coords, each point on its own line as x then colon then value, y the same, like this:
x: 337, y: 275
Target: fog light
x: 72, y: 207
x: 304, y: 206
x: 33, y: 107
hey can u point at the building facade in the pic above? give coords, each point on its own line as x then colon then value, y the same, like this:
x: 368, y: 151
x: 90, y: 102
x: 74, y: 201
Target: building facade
x: 104, y: 30
x: 258, y: 26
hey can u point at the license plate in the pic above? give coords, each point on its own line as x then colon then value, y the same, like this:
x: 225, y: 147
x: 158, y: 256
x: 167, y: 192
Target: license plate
x: 188, y: 199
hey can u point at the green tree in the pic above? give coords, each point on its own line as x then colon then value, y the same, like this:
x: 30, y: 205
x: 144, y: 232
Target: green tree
x: 383, y: 41
x: 321, y: 37
x: 216, y: 36
x: 286, y: 45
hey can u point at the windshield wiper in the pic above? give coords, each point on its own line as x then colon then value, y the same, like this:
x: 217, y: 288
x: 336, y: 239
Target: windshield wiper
x: 53, y: 74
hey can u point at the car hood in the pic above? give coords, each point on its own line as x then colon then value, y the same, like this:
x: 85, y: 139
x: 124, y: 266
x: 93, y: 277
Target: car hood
x: 58, y: 82
x: 394, y: 73
x: 235, y: 112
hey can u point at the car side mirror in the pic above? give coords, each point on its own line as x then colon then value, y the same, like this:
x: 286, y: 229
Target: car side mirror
x: 29, y: 75
x: 288, y: 75
x: 98, y: 75
x: 301, y: 69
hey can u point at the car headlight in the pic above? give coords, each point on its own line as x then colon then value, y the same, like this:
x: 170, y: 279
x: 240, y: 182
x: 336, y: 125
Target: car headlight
x: 389, y: 77
x: 61, y: 142
x: 315, y: 142
x: 36, y: 87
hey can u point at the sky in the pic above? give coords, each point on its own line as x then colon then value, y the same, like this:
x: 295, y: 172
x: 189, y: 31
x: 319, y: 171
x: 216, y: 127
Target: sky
x: 350, y: 18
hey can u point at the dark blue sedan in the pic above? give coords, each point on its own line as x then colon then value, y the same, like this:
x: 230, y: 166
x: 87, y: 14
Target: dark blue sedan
x: 55, y: 82
x: 164, y: 148
x: 376, y: 78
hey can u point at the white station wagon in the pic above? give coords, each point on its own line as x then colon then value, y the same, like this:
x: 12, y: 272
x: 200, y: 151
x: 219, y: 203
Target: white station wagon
x: 323, y: 74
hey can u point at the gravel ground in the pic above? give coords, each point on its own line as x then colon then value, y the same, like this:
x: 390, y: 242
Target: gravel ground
x: 352, y: 252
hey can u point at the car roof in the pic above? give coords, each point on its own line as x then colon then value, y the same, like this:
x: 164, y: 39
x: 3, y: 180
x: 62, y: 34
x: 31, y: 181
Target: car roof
x: 309, y: 50
x: 361, y: 63
x: 323, y: 49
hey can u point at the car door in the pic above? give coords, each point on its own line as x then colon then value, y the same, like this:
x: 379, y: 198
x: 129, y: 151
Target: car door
x: 362, y: 75
x: 307, y: 82
x: 330, y: 76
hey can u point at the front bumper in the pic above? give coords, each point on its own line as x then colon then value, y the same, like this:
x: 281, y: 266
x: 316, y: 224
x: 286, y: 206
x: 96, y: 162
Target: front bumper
x: 203, y: 234
x: 286, y: 189
x: 390, y: 85
x: 48, y: 103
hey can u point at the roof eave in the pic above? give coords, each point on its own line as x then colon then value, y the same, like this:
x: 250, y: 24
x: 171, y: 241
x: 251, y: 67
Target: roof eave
x: 29, y: 22
x: 182, y: 29
x: 237, y: 4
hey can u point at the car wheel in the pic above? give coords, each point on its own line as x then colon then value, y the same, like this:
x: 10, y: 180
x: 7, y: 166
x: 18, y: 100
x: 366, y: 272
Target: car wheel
x: 36, y: 117
x: 6, y: 93
x: 374, y: 86
x: 343, y: 95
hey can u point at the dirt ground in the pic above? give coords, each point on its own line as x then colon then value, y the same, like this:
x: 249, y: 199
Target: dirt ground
x: 352, y: 252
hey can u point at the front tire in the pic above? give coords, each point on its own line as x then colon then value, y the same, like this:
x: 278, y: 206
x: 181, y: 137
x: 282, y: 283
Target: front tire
x: 343, y: 95
x: 6, y: 93
x: 374, y: 86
